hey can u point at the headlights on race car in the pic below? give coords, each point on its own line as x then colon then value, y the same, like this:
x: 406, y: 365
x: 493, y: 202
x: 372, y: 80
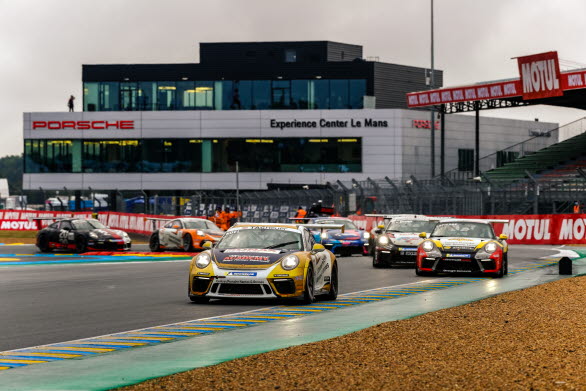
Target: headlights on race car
x: 290, y: 262
x: 490, y: 247
x: 428, y: 245
x: 366, y: 235
x: 200, y: 233
x: 93, y: 235
x: 203, y: 260
x: 324, y: 235
x: 384, y: 241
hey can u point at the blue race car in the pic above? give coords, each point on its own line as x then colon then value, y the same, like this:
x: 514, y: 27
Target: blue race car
x: 351, y: 241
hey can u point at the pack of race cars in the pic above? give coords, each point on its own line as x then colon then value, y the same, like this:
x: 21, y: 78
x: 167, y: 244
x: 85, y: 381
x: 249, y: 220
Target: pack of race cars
x: 297, y: 260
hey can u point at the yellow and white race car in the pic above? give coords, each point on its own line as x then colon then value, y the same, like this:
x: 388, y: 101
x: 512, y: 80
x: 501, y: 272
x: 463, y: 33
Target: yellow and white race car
x: 265, y: 261
x: 463, y: 246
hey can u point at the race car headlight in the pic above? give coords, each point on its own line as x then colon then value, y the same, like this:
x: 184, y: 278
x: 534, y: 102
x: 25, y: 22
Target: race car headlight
x: 203, y: 260
x: 290, y: 262
x: 200, y: 233
x: 324, y: 235
x: 93, y: 235
x: 384, y: 240
x: 428, y: 246
x: 490, y: 247
x: 366, y: 235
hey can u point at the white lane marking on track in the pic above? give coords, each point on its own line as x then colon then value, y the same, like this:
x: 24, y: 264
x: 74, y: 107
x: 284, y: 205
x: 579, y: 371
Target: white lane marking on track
x: 199, y: 319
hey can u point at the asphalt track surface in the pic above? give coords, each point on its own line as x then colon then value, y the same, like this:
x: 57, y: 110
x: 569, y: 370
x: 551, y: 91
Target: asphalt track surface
x: 43, y: 304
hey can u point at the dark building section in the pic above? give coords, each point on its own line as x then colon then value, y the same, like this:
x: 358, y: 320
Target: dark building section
x: 256, y: 76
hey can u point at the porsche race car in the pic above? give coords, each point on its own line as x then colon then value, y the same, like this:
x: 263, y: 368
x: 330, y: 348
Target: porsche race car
x: 347, y: 242
x: 186, y: 233
x: 264, y: 261
x: 463, y: 246
x: 397, y: 244
x: 81, y: 235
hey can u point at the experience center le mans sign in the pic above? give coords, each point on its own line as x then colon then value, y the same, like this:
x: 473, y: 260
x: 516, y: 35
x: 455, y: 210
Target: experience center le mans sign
x: 540, y: 78
x: 327, y: 123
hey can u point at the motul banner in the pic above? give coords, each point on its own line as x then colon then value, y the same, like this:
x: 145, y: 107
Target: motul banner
x: 540, y: 75
x: 523, y: 229
x: 18, y: 225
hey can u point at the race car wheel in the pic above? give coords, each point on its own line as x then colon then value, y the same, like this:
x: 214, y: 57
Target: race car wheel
x: 81, y: 245
x: 187, y: 243
x: 333, y: 293
x: 154, y: 244
x: 44, y: 244
x: 506, y: 264
x: 199, y: 299
x: 422, y: 273
x: 309, y: 293
x: 375, y: 262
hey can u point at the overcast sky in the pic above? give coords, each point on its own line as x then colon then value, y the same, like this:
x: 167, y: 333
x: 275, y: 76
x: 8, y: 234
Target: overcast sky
x: 44, y: 43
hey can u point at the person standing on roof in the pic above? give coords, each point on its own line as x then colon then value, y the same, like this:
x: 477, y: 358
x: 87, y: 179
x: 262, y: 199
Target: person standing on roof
x: 577, y: 207
x: 70, y: 103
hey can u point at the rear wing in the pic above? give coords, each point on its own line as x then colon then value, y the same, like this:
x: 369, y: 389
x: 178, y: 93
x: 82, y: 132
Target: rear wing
x: 323, y: 227
x: 155, y: 219
x: 301, y: 218
x: 39, y: 219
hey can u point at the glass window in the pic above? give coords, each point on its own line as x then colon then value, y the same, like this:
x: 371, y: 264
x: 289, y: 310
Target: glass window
x: 91, y: 97
x: 300, y: 94
x: 241, y: 95
x: 171, y: 155
x: 166, y: 95
x: 319, y: 94
x: 109, y: 92
x: 339, y: 94
x: 224, y: 95
x: 261, y: 94
x: 111, y: 155
x: 281, y: 94
x: 185, y: 95
x: 357, y: 93
x: 290, y: 55
x: 128, y: 96
x: 204, y: 95
x: 147, y: 95
x: 48, y: 156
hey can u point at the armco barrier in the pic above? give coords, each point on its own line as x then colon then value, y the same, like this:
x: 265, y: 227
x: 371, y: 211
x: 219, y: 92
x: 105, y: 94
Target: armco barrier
x: 523, y: 229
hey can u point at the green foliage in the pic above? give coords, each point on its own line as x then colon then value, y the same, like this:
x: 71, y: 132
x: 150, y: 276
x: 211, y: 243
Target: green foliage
x: 11, y: 169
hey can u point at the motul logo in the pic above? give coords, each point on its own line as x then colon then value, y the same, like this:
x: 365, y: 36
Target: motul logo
x: 83, y: 125
x: 540, y: 75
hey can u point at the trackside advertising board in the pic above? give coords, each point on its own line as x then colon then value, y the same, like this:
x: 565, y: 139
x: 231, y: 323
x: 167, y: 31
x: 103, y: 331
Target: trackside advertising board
x: 523, y: 229
x: 540, y: 75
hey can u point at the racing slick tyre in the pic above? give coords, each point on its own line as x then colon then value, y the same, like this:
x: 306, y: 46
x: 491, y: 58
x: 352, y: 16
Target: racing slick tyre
x: 333, y: 293
x: 44, y: 244
x: 187, y: 243
x: 80, y: 245
x: 154, y: 244
x: 309, y: 291
x: 501, y: 272
x: 422, y: 273
x: 199, y: 299
x: 506, y: 264
x: 375, y: 262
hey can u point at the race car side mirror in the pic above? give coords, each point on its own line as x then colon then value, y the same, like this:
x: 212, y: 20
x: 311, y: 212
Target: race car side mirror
x: 207, y: 245
x: 503, y: 237
x: 378, y: 231
x: 423, y: 235
x: 318, y: 248
x: 381, y: 226
x: 176, y: 227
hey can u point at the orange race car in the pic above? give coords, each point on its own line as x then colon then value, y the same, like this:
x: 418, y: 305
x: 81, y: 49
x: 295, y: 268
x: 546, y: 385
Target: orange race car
x: 185, y: 233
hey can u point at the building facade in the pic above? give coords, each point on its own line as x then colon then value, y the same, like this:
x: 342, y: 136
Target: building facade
x: 284, y: 112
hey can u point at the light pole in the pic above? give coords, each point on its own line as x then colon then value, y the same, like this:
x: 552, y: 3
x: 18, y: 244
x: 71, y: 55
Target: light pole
x: 431, y: 86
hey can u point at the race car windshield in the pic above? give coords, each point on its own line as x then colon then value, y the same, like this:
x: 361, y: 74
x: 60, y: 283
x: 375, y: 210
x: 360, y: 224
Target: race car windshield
x: 463, y: 230
x: 347, y: 224
x: 200, y: 224
x: 87, y: 225
x: 261, y: 238
x: 411, y: 226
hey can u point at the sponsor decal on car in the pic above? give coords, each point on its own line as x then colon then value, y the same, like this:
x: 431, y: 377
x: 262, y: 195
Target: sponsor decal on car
x: 458, y: 255
x: 407, y: 248
x: 247, y: 274
x: 252, y: 250
x: 281, y: 275
x: 244, y: 258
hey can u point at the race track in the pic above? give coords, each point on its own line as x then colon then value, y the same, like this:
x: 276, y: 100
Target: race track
x: 50, y: 303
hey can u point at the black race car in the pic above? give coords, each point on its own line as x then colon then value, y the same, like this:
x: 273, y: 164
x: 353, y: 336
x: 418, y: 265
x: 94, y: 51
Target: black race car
x: 81, y: 235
